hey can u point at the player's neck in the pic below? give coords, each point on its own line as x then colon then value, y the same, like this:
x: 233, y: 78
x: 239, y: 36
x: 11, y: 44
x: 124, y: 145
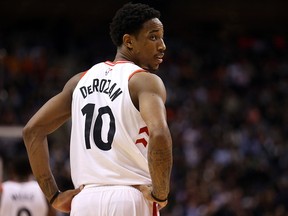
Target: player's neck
x: 123, y: 56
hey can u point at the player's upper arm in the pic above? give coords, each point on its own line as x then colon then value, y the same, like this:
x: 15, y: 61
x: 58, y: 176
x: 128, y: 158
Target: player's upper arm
x: 148, y: 93
x: 55, y: 111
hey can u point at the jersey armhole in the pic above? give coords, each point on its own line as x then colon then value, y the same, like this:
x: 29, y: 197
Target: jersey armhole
x: 84, y: 72
x: 137, y: 71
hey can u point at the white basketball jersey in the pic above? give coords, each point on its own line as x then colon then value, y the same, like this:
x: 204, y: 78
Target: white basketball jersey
x: 109, y: 138
x: 22, y: 199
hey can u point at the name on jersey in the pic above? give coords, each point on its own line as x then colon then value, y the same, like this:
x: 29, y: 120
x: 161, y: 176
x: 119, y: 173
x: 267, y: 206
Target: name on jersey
x: 102, y: 86
x: 21, y: 197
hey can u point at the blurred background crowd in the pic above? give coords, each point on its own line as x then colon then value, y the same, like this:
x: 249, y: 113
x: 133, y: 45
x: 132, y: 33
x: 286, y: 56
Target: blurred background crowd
x: 227, y: 84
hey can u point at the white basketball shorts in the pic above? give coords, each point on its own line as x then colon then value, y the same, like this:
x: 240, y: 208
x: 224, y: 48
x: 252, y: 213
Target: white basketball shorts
x: 112, y: 201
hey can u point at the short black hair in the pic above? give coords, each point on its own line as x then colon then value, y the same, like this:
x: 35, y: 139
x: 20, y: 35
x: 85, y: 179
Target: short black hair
x: 20, y: 167
x: 129, y: 20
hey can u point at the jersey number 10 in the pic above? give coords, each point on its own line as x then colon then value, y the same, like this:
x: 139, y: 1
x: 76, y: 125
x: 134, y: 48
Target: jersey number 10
x: 88, y: 111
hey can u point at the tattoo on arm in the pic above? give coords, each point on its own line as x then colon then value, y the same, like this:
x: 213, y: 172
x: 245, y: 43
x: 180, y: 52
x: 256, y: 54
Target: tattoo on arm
x: 160, y: 170
x: 47, y: 184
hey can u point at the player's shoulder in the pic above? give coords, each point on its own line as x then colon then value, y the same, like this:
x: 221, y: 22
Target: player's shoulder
x: 10, y: 185
x: 146, y: 77
x: 73, y: 81
x: 147, y: 82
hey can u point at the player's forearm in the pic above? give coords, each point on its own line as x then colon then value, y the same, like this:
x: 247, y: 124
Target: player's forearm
x: 160, y: 163
x: 37, y: 149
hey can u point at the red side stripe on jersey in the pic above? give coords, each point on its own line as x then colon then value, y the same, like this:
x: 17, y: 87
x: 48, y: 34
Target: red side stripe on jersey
x: 155, y: 209
x: 137, y: 71
x: 142, y: 140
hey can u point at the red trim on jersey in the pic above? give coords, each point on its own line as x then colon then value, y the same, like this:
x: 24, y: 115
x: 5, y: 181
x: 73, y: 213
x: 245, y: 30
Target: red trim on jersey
x: 137, y: 71
x: 83, y: 74
x: 155, y: 209
x: 117, y: 62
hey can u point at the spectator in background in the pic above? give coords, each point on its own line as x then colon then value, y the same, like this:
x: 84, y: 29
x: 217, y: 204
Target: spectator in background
x: 21, y: 194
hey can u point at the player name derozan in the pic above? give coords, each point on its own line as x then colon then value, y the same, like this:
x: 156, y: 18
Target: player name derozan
x: 102, y: 86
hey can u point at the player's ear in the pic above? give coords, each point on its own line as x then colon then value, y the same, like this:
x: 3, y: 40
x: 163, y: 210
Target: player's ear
x: 127, y: 41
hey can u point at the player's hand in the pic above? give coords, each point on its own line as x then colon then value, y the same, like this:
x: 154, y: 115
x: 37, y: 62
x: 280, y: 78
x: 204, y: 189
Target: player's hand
x: 64, y: 199
x: 146, y: 190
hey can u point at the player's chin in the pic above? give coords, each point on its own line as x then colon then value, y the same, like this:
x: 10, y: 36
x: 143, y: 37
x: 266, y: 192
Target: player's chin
x: 155, y: 67
x: 152, y: 67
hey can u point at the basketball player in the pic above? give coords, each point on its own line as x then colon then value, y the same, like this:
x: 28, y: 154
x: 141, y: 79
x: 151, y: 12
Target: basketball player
x: 121, y: 147
x: 21, y: 194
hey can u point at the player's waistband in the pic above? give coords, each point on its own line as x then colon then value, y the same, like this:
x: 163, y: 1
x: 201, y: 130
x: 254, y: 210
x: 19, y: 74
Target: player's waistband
x: 101, y: 187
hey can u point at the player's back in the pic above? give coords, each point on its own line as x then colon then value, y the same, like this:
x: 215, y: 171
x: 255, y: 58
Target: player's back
x: 109, y: 137
x: 22, y: 198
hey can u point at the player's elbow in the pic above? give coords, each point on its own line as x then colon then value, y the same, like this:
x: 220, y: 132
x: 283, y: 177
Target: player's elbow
x: 29, y: 133
x: 161, y: 137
